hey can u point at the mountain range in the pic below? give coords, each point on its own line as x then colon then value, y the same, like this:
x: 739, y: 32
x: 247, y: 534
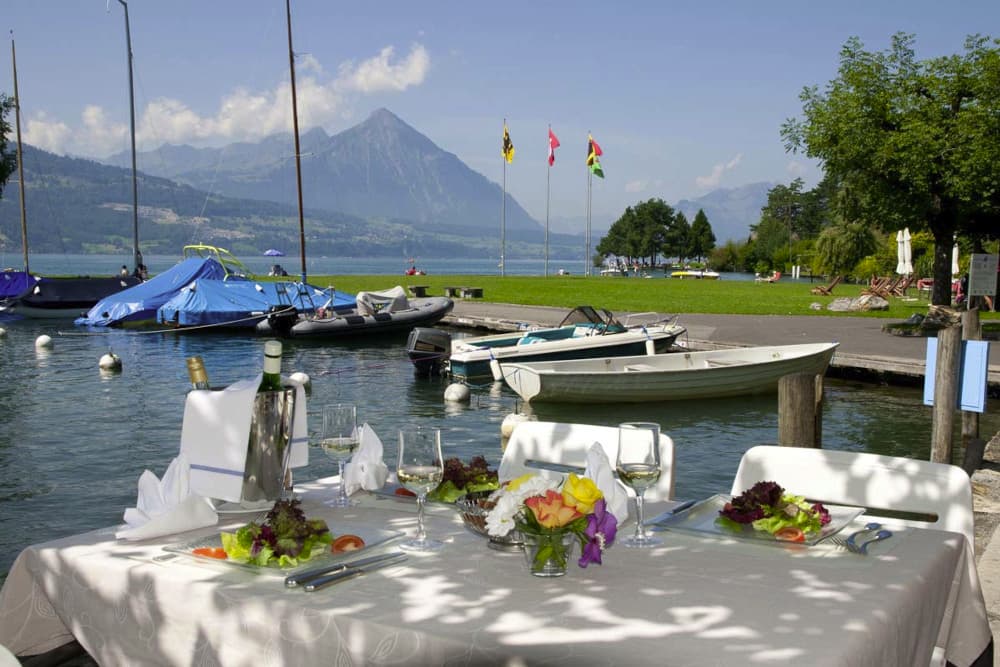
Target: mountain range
x: 380, y: 188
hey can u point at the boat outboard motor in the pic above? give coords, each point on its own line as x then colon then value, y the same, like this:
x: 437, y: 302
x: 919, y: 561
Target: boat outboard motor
x: 428, y: 350
x: 279, y: 320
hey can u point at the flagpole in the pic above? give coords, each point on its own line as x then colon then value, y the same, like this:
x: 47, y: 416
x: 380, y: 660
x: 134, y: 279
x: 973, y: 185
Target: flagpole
x: 586, y: 263
x: 503, y: 213
x: 548, y: 185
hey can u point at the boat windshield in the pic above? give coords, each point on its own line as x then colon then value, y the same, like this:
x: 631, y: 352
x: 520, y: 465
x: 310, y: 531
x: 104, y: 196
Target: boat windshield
x: 590, y: 315
x: 234, y: 267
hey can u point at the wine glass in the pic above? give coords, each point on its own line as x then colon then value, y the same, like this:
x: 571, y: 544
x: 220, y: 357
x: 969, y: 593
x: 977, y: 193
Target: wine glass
x: 420, y: 469
x: 339, y: 440
x: 638, y: 466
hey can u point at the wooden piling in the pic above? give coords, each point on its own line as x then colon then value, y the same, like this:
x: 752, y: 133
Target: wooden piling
x: 800, y: 401
x: 949, y: 352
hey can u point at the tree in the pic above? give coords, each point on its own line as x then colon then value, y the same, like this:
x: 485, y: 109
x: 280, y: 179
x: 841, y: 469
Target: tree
x: 915, y: 141
x: 841, y: 246
x: 677, y: 242
x: 7, y: 159
x: 702, y: 240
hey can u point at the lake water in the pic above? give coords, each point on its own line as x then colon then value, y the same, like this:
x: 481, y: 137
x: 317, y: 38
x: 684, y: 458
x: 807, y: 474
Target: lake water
x: 74, y: 440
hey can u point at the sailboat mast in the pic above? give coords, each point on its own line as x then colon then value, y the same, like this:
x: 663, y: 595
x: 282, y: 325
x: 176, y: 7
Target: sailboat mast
x: 20, y: 161
x: 136, y: 255
x: 295, y: 127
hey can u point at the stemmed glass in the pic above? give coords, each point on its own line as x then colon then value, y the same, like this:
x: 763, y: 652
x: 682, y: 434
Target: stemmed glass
x: 638, y: 466
x: 339, y: 440
x: 420, y: 469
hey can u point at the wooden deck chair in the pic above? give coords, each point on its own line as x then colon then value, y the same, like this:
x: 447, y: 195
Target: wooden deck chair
x: 926, y: 494
x: 534, y: 444
x: 827, y: 290
x: 903, y: 285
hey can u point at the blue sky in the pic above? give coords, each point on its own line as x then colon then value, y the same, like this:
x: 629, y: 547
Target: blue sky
x: 683, y: 97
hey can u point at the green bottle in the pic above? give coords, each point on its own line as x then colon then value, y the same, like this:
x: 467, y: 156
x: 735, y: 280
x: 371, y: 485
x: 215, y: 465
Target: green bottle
x: 272, y: 367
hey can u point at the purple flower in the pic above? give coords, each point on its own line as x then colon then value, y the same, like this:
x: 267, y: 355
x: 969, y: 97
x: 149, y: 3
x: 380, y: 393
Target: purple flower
x: 599, y: 533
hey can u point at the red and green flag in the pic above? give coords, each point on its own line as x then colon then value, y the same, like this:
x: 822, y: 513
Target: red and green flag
x: 593, y: 150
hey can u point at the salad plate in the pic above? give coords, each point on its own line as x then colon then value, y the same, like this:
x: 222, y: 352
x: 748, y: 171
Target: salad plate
x: 701, y: 519
x: 373, y: 537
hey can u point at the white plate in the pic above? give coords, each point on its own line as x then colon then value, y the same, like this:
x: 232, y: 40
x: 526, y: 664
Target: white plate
x: 374, y: 537
x: 701, y: 519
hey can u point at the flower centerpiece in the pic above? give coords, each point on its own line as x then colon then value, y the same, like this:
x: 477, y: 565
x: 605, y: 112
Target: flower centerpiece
x: 551, y: 516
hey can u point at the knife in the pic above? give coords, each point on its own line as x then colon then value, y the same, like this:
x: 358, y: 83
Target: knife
x: 670, y: 512
x: 351, y: 572
x: 299, y: 578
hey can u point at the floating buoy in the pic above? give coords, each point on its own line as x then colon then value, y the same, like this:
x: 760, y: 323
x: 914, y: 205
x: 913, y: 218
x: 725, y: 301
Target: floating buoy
x: 3, y: 332
x: 510, y: 422
x: 302, y: 379
x: 457, y: 393
x: 43, y: 341
x: 110, y: 362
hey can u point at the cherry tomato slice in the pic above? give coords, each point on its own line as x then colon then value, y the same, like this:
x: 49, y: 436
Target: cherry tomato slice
x: 211, y: 552
x: 347, y: 543
x: 791, y: 534
x: 402, y: 491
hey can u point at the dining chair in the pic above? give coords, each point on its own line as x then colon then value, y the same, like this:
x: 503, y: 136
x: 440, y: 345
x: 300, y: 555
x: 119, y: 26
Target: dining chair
x: 913, y: 492
x: 552, y: 449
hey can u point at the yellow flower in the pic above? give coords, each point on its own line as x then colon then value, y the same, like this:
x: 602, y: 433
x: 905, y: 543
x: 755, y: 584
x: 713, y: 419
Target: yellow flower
x: 513, y: 484
x: 581, y: 493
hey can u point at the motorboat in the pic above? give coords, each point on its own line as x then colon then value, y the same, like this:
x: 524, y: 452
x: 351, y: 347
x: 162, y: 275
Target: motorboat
x: 666, y: 377
x: 585, y: 332
x: 698, y: 274
x: 388, y: 311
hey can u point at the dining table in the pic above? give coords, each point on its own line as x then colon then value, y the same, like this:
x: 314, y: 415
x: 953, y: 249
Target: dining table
x: 696, y: 599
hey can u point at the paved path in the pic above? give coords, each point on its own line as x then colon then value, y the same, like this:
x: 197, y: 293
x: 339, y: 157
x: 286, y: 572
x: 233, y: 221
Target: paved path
x: 863, y: 344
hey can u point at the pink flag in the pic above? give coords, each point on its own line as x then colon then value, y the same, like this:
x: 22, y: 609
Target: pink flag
x: 553, y: 145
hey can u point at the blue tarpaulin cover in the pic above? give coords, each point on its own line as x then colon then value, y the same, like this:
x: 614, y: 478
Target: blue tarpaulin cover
x: 140, y: 303
x: 15, y: 283
x: 239, y: 304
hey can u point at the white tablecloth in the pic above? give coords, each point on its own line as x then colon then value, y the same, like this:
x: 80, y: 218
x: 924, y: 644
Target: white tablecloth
x: 694, y: 601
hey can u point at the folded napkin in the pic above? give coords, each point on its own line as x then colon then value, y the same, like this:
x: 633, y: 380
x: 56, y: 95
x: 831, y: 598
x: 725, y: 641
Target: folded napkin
x: 366, y: 469
x: 216, y: 432
x: 599, y: 469
x: 166, y: 506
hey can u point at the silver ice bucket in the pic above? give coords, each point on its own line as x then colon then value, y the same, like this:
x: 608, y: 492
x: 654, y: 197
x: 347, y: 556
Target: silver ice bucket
x: 269, y: 445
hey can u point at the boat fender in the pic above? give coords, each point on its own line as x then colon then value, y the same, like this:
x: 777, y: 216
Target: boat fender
x: 43, y: 341
x: 302, y: 379
x: 110, y: 362
x: 457, y: 393
x: 495, y: 369
x: 650, y: 343
x: 510, y: 422
x: 3, y: 332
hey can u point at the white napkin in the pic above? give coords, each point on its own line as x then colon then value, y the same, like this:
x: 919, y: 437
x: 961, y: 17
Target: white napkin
x: 599, y: 469
x: 216, y: 431
x: 366, y: 469
x: 166, y: 506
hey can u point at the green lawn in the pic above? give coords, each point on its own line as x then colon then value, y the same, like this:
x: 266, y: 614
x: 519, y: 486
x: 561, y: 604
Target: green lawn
x: 636, y: 294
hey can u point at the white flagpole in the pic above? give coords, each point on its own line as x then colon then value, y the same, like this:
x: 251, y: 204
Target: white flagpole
x: 548, y: 183
x: 586, y: 256
x: 503, y: 212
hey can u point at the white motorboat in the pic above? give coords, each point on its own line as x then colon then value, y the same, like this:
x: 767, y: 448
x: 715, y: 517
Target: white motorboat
x: 666, y: 377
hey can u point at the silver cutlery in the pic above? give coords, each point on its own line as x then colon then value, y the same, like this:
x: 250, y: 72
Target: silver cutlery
x: 351, y: 572
x: 879, y: 536
x: 852, y: 538
x: 670, y: 513
x: 295, y: 580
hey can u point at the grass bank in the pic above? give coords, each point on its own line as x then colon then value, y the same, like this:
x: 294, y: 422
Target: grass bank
x: 635, y: 294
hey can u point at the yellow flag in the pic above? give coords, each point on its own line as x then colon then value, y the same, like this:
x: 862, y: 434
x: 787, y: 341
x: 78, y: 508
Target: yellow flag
x: 508, y: 148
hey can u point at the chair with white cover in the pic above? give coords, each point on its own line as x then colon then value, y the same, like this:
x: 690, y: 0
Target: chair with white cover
x: 7, y: 658
x: 925, y: 494
x: 533, y: 444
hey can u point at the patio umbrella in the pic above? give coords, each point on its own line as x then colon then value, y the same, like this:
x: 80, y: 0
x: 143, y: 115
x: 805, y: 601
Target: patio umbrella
x: 954, y: 260
x: 907, y: 253
x: 271, y: 252
x: 900, y: 260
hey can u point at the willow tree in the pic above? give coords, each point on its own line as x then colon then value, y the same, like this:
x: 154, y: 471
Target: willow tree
x: 916, y: 141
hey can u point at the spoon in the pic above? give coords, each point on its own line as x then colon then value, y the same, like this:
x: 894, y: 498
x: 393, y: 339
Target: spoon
x: 852, y: 544
x: 879, y: 536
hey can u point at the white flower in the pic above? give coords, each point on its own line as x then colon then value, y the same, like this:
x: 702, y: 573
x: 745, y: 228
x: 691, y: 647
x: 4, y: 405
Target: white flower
x: 500, y: 520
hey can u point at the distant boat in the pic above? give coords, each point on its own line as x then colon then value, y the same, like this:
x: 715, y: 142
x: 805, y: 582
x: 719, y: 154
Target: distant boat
x: 666, y: 377
x: 585, y: 332
x: 696, y: 273
x: 271, y: 252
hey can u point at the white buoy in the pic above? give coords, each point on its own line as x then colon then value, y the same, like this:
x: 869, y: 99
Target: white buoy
x: 43, y: 341
x: 457, y: 393
x: 3, y: 332
x: 110, y: 362
x: 303, y: 379
x: 510, y: 422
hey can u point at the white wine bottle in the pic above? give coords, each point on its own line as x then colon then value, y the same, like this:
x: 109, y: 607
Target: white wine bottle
x: 272, y: 367
x: 197, y: 373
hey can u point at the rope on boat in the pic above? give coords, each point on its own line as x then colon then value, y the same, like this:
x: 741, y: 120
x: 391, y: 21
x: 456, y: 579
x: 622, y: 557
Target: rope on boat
x: 199, y: 327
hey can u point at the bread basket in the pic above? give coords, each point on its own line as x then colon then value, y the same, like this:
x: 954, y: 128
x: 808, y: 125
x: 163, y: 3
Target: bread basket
x: 473, y: 508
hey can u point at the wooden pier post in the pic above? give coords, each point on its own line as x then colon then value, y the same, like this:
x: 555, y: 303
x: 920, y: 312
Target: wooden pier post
x: 949, y: 353
x: 800, y: 410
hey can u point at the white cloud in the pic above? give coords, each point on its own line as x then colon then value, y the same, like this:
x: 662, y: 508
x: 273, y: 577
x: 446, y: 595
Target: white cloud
x: 636, y: 186
x: 243, y: 115
x: 378, y: 74
x: 713, y: 179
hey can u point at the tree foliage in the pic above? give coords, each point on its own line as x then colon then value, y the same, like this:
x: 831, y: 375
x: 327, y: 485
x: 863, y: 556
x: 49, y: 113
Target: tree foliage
x: 7, y: 156
x: 841, y: 246
x: 914, y: 142
x: 702, y: 240
x: 652, y: 228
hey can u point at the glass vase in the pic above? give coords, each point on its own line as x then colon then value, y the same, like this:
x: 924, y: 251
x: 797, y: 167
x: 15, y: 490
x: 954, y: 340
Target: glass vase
x: 548, y: 554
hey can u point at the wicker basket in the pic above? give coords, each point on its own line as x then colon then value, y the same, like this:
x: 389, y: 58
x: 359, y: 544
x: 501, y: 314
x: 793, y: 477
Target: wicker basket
x: 473, y: 508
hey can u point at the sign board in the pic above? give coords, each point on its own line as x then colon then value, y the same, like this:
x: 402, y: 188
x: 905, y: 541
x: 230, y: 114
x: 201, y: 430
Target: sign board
x: 982, y: 275
x: 972, y: 374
